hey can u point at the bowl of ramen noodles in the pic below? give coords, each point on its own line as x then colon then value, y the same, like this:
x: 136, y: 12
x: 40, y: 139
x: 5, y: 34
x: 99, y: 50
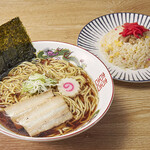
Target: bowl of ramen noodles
x: 62, y: 91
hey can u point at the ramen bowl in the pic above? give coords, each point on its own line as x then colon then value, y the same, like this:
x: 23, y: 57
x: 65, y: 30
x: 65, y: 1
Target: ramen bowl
x: 96, y: 70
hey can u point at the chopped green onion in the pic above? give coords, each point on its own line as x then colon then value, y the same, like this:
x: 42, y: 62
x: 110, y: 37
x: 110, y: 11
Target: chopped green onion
x: 38, y: 83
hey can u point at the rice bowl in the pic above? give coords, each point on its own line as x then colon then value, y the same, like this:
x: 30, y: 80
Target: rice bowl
x: 94, y: 31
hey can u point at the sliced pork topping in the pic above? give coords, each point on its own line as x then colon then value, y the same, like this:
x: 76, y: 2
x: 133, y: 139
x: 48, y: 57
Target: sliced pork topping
x: 39, y: 113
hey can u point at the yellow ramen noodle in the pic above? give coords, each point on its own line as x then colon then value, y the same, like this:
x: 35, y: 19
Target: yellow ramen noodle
x: 82, y: 106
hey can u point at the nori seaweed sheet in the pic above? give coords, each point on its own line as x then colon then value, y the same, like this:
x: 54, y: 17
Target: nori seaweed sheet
x: 15, y: 46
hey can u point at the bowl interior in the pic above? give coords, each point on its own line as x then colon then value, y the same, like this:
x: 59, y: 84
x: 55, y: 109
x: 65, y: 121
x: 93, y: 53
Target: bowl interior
x: 98, y: 73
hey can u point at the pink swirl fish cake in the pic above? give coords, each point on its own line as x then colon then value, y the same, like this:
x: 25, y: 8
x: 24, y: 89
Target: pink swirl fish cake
x: 68, y: 87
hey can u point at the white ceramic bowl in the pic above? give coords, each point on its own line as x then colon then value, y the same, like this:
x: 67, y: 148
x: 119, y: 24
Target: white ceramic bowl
x: 100, y: 76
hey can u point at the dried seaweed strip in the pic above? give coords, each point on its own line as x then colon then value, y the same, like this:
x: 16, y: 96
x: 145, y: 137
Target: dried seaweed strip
x: 15, y: 46
x: 2, y: 64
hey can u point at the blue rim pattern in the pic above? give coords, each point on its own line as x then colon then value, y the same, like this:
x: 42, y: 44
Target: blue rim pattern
x: 91, y: 34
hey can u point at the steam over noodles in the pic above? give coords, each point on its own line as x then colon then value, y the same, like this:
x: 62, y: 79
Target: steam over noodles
x: 82, y: 106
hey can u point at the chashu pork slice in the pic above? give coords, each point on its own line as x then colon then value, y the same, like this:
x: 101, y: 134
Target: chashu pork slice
x: 45, y: 116
x: 19, y: 109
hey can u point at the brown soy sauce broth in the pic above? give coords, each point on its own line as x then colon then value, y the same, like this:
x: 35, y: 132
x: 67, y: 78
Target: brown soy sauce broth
x: 7, y: 123
x: 18, y: 129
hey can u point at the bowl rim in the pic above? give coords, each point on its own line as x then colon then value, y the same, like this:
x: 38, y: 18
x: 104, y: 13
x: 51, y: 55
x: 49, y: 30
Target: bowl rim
x: 42, y: 139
